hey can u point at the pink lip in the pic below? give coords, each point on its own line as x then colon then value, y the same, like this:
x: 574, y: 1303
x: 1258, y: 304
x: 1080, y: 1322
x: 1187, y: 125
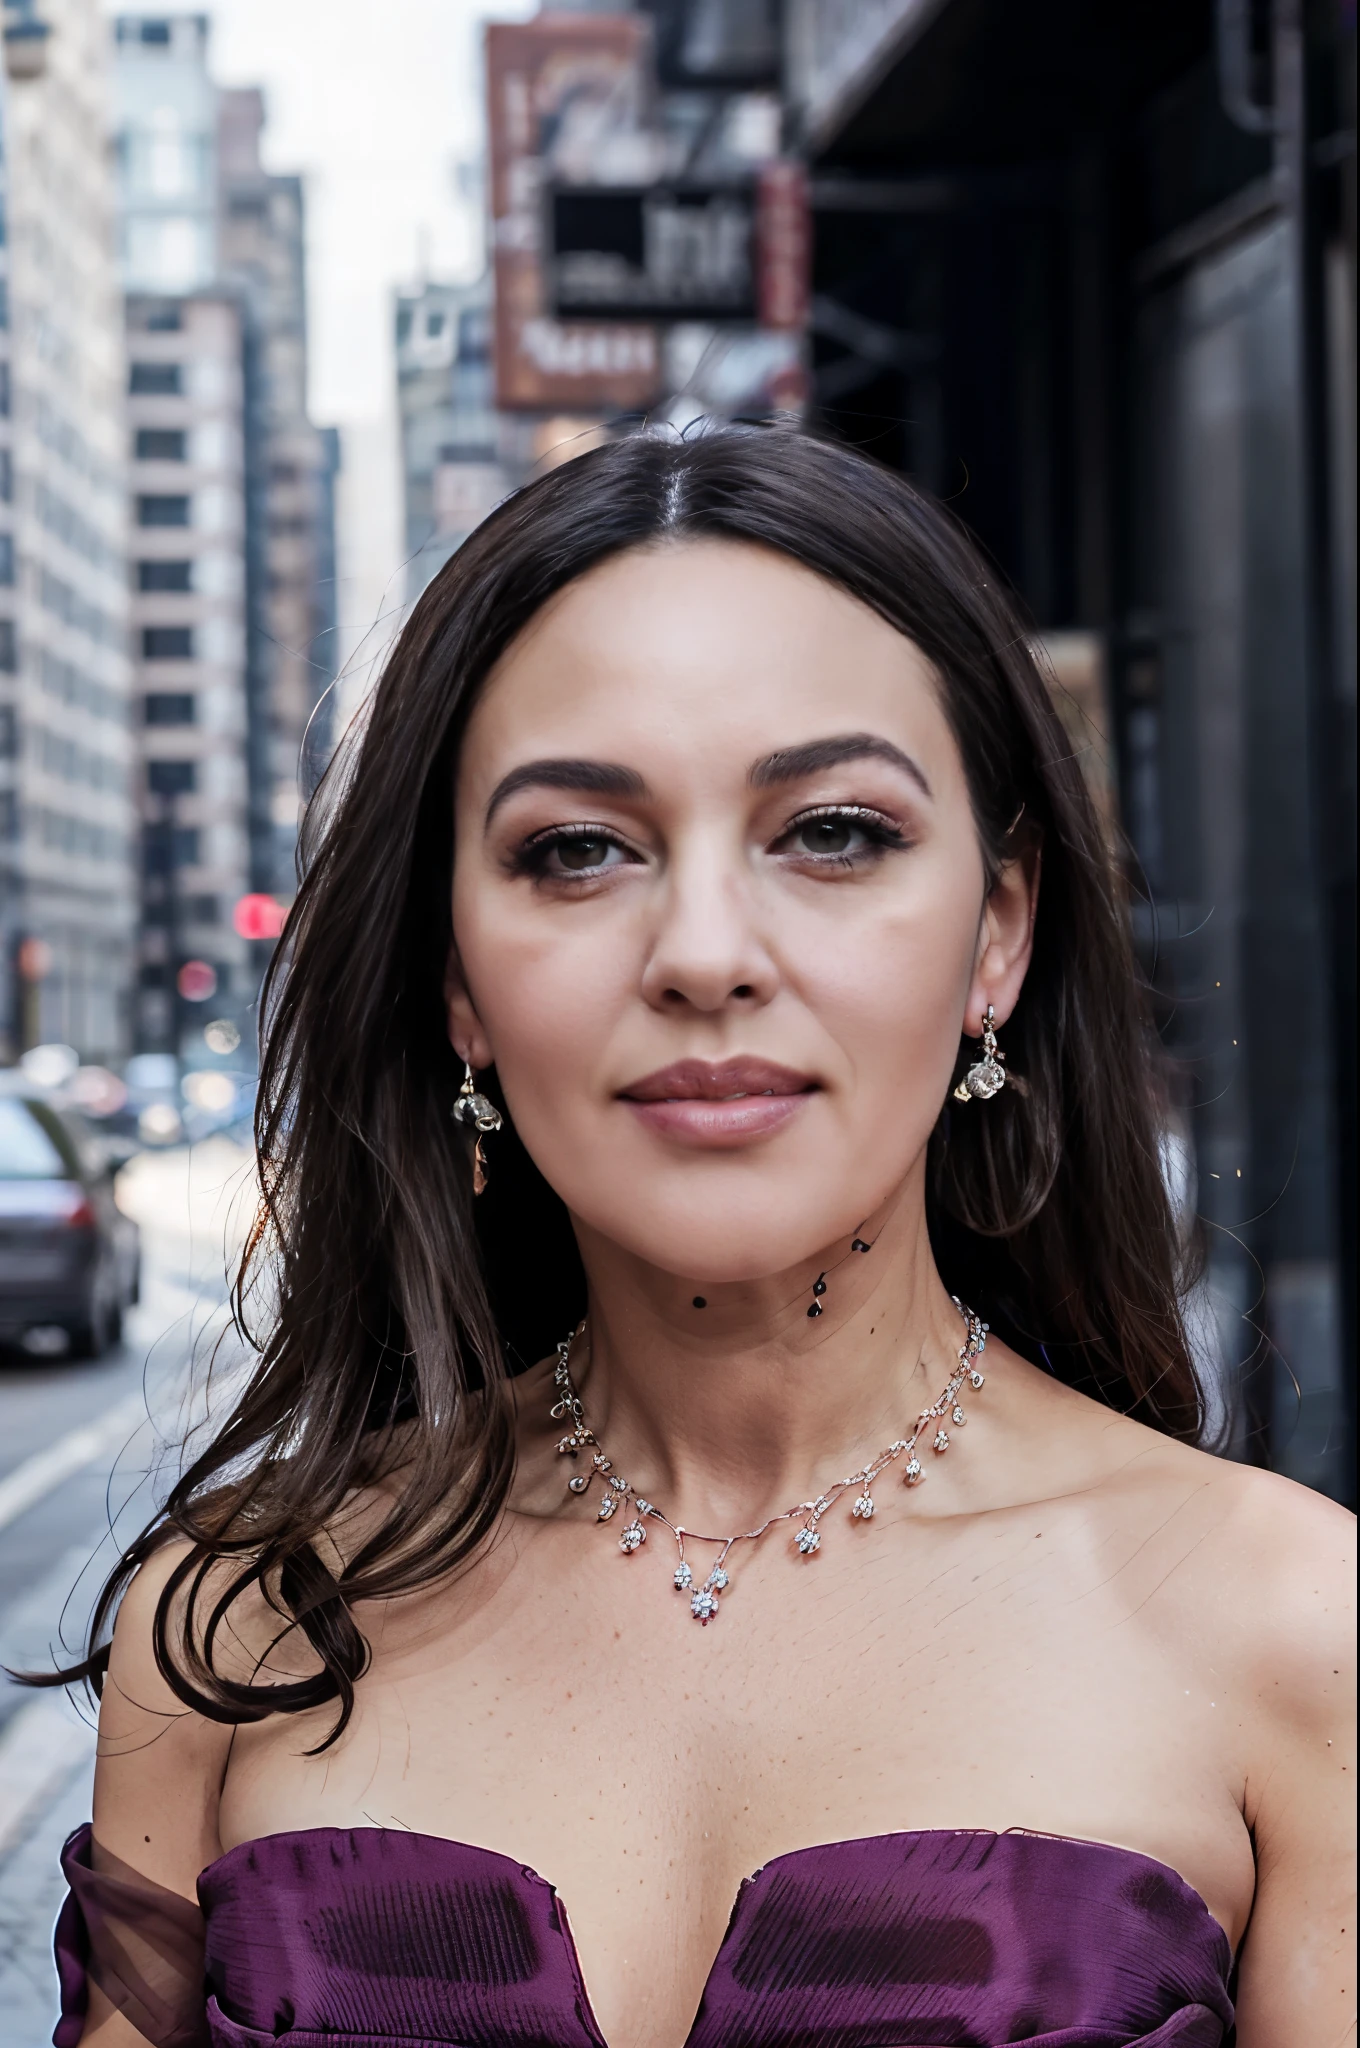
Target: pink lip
x: 718, y: 1106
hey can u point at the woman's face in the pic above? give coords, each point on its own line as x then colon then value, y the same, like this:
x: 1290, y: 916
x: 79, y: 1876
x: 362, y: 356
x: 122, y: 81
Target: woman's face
x: 719, y: 908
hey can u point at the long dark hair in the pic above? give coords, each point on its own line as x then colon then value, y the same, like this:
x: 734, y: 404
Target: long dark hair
x: 392, y: 1315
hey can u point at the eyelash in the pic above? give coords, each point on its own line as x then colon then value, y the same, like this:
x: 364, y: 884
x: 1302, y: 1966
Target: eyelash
x: 881, y: 833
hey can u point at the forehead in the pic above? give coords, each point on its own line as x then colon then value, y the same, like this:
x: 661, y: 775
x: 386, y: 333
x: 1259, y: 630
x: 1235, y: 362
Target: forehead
x: 706, y: 648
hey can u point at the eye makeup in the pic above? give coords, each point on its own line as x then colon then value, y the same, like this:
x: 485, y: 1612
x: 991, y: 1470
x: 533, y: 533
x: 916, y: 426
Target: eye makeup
x: 824, y: 836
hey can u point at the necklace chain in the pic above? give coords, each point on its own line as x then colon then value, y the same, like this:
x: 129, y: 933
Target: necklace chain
x: 617, y: 1494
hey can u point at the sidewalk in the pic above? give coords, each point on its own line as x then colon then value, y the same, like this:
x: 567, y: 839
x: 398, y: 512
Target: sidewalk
x: 31, y: 1888
x: 193, y: 1207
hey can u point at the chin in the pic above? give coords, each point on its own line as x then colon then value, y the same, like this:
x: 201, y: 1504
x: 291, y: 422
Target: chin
x: 732, y: 1242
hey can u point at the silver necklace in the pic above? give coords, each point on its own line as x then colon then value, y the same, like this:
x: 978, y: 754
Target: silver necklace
x: 617, y: 1493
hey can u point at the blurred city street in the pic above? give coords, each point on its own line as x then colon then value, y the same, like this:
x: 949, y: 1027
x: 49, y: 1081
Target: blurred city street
x: 294, y: 298
x: 78, y: 1446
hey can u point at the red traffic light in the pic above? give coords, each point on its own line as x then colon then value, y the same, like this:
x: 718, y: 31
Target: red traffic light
x: 259, y: 917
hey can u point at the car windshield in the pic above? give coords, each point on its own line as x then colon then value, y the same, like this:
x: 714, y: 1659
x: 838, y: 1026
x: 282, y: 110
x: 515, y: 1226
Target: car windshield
x: 26, y: 1150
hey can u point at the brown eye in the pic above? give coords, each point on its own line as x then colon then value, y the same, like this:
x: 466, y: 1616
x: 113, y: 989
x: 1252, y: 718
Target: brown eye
x: 582, y: 853
x: 825, y: 835
x: 848, y: 837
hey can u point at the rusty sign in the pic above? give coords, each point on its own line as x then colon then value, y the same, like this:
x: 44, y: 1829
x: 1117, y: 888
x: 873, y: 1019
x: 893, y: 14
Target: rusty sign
x: 566, y: 99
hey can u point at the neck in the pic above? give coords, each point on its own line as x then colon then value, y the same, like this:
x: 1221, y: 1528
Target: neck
x: 729, y: 1412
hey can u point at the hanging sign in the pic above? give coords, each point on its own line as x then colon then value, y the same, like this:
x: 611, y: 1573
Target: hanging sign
x: 565, y: 100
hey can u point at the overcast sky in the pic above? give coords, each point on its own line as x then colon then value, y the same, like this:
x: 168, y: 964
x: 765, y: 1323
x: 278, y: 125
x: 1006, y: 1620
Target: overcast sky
x: 378, y: 104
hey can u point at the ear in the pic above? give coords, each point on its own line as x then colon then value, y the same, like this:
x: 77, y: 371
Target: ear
x: 466, y: 1035
x: 1005, y: 938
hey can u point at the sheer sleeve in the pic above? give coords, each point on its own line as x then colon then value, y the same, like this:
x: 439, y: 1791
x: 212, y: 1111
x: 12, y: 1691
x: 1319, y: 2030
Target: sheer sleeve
x: 139, y: 1943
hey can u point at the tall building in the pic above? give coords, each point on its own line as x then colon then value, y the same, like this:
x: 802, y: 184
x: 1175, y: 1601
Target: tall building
x: 232, y: 488
x: 291, y: 561
x: 186, y: 440
x: 67, y: 818
x: 186, y: 409
x: 451, y: 467
x: 166, y: 150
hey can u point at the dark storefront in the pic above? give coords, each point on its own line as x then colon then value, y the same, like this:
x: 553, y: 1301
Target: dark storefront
x: 1088, y: 273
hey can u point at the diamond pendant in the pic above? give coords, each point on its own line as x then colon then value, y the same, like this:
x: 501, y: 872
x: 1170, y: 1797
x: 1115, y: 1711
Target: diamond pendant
x: 703, y: 1604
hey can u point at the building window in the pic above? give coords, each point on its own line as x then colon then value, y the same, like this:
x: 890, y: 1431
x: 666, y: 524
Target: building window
x: 162, y: 511
x: 6, y: 477
x: 163, y: 320
x: 167, y: 643
x: 203, y: 910
x: 9, y: 815
x: 4, y: 391
x: 9, y: 733
x: 171, y: 778
x: 167, y: 846
x: 165, y: 575
x: 289, y: 523
x: 161, y: 444
x: 155, y: 380
x: 155, y: 33
x: 474, y: 336
x: 9, y: 649
x: 6, y: 559
x: 170, y: 707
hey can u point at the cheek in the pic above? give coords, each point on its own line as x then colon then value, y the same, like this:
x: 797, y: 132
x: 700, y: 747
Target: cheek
x: 889, y: 975
x: 548, y: 990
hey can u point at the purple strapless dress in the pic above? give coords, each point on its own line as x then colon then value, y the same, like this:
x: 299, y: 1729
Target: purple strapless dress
x: 381, y: 1939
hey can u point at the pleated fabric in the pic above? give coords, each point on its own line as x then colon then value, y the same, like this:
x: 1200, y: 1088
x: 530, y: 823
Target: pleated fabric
x: 371, y: 1937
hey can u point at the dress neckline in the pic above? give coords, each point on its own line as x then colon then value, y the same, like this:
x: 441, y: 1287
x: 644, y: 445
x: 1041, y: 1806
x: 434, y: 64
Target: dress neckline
x: 440, y: 1843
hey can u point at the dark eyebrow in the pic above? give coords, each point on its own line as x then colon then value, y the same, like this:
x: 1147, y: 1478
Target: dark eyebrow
x: 592, y: 778
x: 791, y: 763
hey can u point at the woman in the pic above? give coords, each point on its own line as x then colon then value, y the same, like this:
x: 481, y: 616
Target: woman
x: 713, y: 823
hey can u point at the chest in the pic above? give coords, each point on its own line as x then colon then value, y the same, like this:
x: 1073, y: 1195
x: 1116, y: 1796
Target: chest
x: 566, y: 1709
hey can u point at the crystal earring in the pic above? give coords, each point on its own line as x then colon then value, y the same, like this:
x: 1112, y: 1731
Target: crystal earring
x: 476, y: 1112
x: 987, y: 1076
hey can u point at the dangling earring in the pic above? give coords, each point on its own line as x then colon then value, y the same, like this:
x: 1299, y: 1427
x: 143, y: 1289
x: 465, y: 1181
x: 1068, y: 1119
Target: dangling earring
x: 476, y: 1112
x: 987, y: 1076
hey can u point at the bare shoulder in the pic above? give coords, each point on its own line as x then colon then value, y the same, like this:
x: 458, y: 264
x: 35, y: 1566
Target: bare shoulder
x: 1285, y: 1558
x: 160, y: 1764
x: 1255, y: 1569
x: 1260, y: 1569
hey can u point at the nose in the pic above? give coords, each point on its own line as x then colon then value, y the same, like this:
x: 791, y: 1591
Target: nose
x: 708, y: 950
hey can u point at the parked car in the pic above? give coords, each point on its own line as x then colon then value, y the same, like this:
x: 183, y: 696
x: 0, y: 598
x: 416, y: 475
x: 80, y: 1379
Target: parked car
x: 69, y: 1259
